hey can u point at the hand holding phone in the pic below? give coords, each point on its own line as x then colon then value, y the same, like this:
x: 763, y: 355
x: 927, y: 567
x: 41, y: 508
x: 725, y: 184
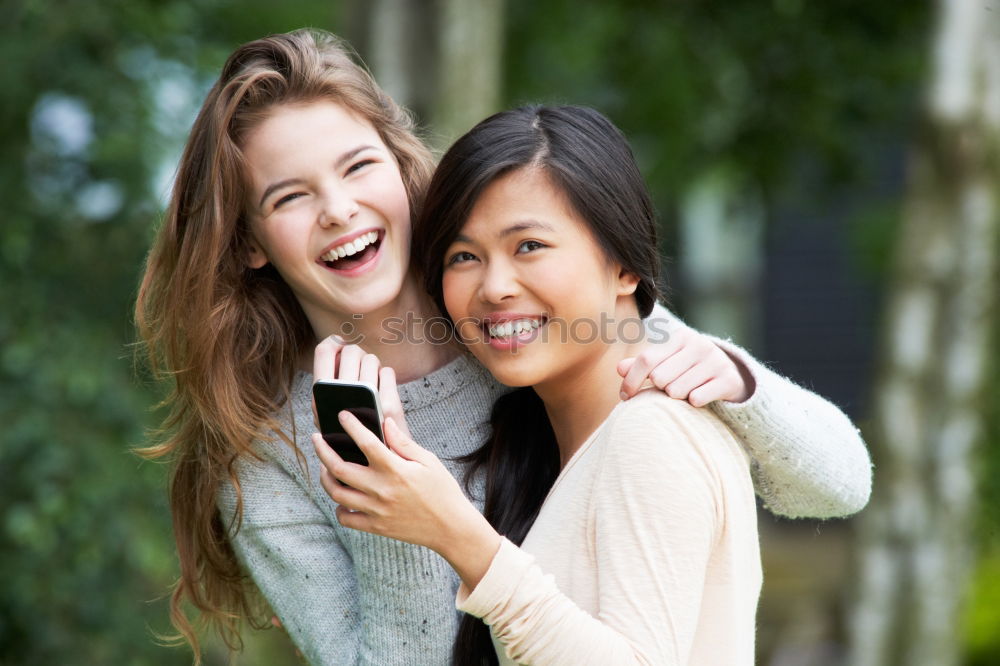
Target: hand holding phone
x: 359, y: 398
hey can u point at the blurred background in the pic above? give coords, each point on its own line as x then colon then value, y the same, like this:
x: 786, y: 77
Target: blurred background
x: 827, y: 176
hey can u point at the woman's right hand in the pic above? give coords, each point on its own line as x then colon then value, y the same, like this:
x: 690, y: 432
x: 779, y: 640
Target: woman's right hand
x: 405, y: 493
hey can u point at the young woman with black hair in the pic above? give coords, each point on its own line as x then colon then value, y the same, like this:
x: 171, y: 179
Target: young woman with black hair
x: 615, y: 532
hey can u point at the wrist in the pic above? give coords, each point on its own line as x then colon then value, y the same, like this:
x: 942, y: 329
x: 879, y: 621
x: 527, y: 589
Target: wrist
x: 471, y: 548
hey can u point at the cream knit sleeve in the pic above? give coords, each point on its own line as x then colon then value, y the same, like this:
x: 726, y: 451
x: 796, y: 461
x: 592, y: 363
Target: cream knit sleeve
x: 809, y: 460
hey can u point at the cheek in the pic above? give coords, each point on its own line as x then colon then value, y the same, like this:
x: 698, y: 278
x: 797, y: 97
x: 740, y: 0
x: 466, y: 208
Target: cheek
x: 554, y: 282
x: 274, y: 239
x: 457, y: 290
x: 396, y: 205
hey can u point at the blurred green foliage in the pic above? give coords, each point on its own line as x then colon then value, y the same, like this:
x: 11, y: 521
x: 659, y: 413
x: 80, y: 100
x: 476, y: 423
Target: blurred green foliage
x: 97, y: 100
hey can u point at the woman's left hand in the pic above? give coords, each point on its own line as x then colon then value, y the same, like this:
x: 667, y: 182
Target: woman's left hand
x: 688, y: 366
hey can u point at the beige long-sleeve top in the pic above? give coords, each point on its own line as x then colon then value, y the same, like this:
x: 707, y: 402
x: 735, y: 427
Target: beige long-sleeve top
x: 644, y: 552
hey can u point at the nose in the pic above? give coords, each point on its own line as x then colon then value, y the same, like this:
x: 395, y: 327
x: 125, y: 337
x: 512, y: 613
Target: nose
x: 499, y: 282
x: 337, y: 209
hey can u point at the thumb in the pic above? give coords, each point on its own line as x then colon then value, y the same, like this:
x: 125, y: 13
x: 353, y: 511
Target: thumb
x: 624, y: 365
x: 400, y: 442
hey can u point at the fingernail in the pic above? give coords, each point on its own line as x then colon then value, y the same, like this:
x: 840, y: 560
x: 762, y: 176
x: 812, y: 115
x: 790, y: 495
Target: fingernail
x: 623, y: 395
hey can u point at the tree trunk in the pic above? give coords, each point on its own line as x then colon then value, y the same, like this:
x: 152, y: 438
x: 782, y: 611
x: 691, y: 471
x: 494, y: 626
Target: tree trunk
x: 471, y: 55
x: 915, y: 541
x: 720, y: 258
x: 442, y: 59
x: 397, y: 39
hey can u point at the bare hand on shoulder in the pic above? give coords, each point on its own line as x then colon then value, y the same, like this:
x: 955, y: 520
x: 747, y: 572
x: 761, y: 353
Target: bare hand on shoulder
x: 687, y: 366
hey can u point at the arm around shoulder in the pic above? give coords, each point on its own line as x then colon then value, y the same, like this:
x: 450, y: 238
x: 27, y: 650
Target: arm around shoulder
x: 809, y: 461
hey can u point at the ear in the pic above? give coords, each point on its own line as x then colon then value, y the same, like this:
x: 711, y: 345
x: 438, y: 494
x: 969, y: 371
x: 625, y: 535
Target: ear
x: 628, y: 282
x: 255, y: 255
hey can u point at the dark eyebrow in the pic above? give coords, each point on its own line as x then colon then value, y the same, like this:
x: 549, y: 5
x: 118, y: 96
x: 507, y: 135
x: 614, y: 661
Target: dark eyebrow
x: 346, y: 157
x: 512, y: 229
x: 277, y: 186
x: 525, y: 226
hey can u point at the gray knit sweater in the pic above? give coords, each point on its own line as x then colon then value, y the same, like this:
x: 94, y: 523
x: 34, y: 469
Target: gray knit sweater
x: 347, y: 597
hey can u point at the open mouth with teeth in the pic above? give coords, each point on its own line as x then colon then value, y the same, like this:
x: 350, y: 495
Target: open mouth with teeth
x: 353, y: 253
x: 513, y: 332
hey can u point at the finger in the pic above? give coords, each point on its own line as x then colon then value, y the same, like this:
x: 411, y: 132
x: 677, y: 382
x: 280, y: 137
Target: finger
x: 377, y: 453
x: 388, y: 394
x: 673, y: 368
x: 355, y: 520
x: 661, y: 366
x: 346, y: 496
x: 715, y: 389
x: 688, y: 381
x: 400, y: 442
x: 624, y: 365
x: 325, y: 359
x: 349, y: 366
x: 339, y: 470
x: 651, y: 357
x: 275, y: 622
x: 368, y: 369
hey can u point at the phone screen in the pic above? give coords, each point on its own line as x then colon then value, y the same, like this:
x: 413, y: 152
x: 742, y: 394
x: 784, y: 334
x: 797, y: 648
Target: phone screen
x: 360, y: 400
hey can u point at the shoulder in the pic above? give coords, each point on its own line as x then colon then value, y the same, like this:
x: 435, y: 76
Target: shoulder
x: 281, y: 453
x: 657, y: 431
x: 653, y: 411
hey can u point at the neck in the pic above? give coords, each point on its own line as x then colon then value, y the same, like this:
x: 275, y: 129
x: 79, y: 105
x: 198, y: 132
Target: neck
x: 578, y: 401
x: 397, y: 333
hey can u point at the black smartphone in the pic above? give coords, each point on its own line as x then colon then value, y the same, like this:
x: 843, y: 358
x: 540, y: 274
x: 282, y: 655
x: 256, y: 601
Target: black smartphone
x: 359, y: 399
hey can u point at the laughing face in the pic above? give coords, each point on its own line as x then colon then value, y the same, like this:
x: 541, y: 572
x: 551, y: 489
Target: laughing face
x: 329, y: 210
x: 529, y: 288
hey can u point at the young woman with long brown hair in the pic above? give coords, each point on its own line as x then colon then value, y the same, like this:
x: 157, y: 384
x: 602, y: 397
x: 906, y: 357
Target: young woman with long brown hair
x: 290, y: 221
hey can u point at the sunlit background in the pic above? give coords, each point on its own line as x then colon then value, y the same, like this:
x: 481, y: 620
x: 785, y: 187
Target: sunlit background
x: 827, y: 177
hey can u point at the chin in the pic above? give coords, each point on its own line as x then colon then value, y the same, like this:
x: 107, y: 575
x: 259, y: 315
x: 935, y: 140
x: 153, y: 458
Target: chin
x: 374, y: 297
x: 509, y: 373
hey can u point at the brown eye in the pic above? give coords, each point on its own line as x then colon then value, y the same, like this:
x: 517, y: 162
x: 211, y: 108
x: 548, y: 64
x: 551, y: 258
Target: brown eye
x: 288, y: 197
x: 529, y: 246
x: 357, y: 166
x: 459, y: 258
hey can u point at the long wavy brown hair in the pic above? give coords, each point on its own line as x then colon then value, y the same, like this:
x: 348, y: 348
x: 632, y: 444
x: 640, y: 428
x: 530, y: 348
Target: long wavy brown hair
x: 226, y: 338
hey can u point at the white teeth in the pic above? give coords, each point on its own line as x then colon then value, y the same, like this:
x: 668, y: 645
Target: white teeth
x: 509, y: 328
x: 351, y: 247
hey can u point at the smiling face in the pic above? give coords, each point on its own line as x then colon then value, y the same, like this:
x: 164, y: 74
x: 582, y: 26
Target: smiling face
x: 329, y: 210
x: 528, y: 288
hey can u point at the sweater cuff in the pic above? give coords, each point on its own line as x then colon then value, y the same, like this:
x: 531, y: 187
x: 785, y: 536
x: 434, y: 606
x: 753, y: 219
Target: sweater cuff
x: 506, y: 569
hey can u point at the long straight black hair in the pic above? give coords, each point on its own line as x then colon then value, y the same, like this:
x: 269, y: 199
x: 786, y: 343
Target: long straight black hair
x: 589, y: 160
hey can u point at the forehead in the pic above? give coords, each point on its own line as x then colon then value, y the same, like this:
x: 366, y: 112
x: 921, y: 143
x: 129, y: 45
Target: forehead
x: 524, y: 195
x: 290, y: 133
